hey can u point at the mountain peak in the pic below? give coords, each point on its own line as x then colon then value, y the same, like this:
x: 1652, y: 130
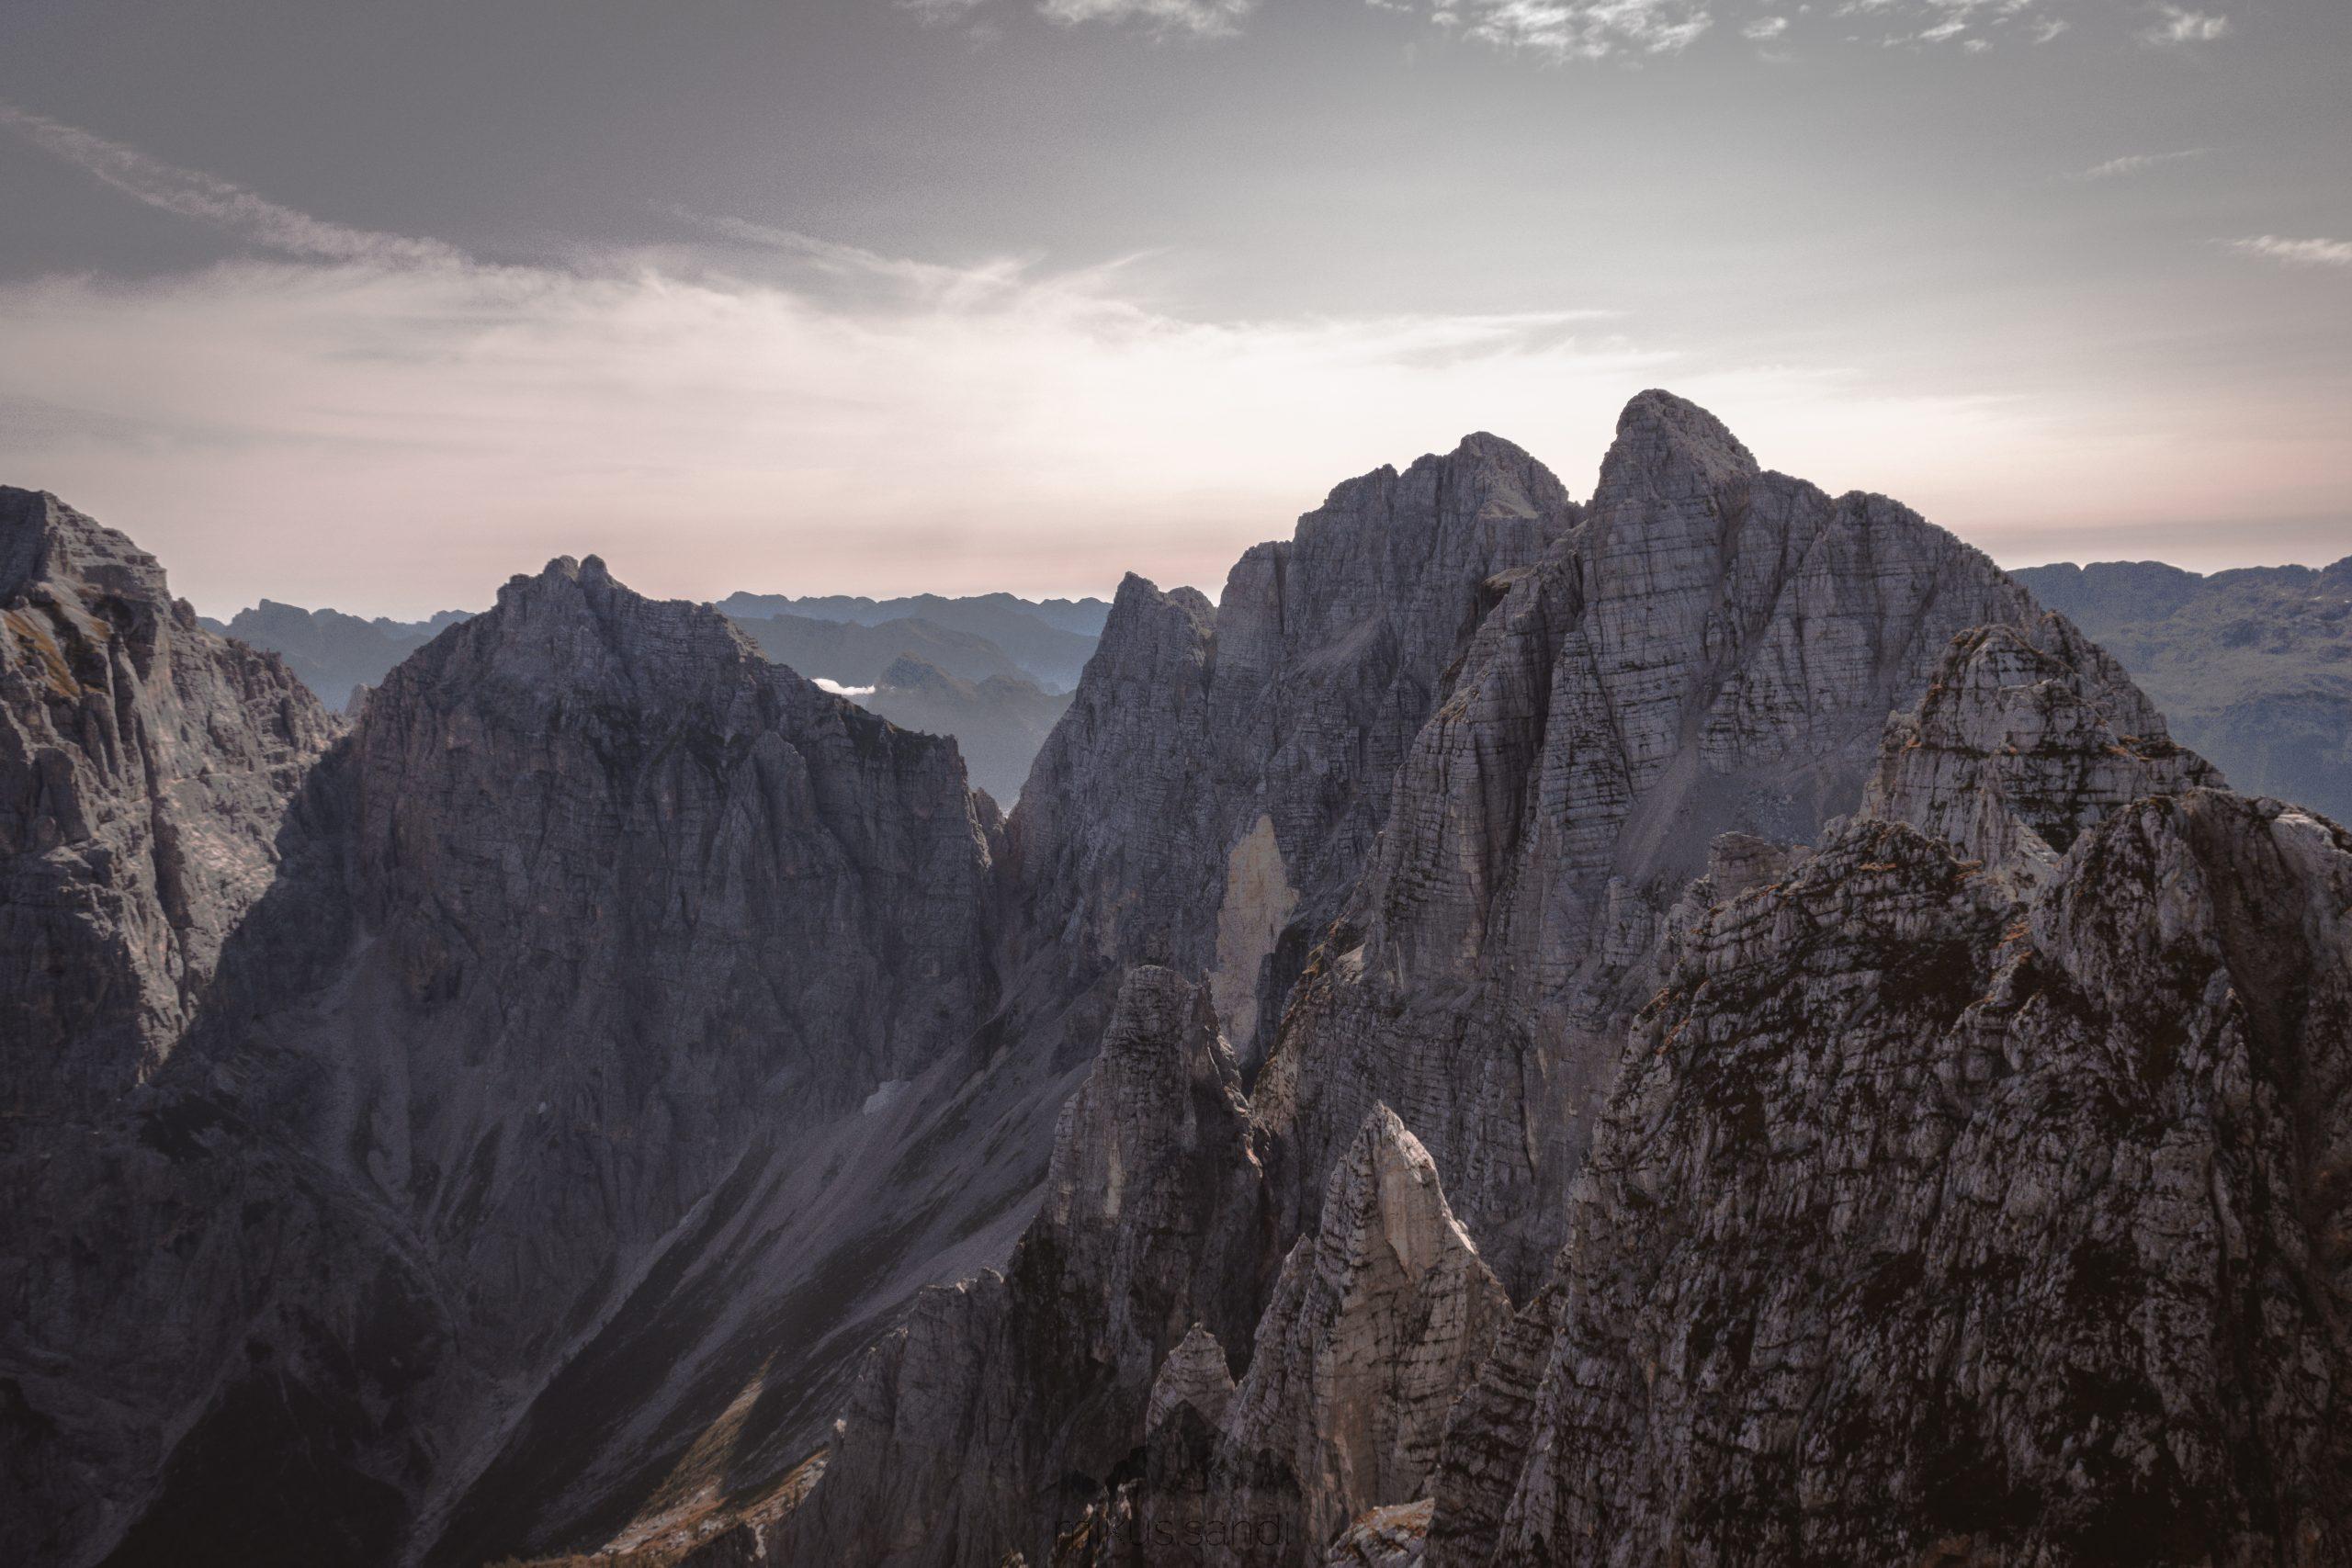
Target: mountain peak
x: 1668, y: 447
x: 42, y: 536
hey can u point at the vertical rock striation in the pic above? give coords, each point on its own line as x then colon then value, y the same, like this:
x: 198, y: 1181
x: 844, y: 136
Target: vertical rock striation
x: 146, y: 766
x: 1252, y: 747
x: 1377, y: 1322
x: 1714, y: 648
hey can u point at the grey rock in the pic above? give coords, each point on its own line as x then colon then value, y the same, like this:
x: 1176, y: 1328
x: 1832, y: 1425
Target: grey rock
x: 1252, y: 746
x: 1935, y: 1216
x: 2013, y: 751
x: 1712, y: 649
x: 146, y: 767
x: 591, y: 957
x: 989, y: 1422
x: 1377, y: 1322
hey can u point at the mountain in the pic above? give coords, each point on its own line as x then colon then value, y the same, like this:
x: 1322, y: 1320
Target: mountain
x: 590, y: 948
x: 1050, y: 639
x: 998, y: 723
x: 849, y: 654
x: 2254, y: 667
x: 1698, y: 1025
x: 335, y: 654
x: 146, y: 771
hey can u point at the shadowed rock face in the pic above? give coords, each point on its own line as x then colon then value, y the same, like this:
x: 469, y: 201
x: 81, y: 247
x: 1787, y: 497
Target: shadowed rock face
x: 587, y: 938
x: 1375, y: 1327
x: 987, y: 1422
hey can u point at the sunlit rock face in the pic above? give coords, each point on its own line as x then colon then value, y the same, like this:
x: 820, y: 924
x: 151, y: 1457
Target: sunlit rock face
x: 146, y: 768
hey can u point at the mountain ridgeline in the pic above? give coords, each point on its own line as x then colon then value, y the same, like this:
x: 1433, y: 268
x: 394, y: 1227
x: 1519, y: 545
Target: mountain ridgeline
x: 1700, y: 1025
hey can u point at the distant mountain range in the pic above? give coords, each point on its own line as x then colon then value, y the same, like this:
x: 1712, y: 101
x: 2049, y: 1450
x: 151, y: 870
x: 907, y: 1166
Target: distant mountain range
x: 330, y: 651
x: 994, y: 672
x: 1051, y: 640
x: 2251, y: 667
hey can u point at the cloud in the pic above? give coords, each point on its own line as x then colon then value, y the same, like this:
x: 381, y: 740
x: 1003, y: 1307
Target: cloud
x: 1765, y: 28
x: 1562, y: 30
x: 2138, y: 162
x: 2297, y: 252
x: 216, y: 202
x: 839, y: 689
x: 392, y: 427
x: 1209, y: 18
x: 2177, y: 29
x: 2048, y: 29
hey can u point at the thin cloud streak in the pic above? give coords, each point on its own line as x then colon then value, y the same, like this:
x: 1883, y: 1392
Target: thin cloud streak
x: 2297, y: 252
x: 2140, y: 162
x: 232, y: 207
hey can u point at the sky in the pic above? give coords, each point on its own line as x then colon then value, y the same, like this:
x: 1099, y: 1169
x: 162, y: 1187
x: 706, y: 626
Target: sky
x: 374, y: 306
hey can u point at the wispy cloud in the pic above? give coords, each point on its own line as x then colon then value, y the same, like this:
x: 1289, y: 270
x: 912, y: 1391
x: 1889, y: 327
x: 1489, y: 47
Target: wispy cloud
x: 1208, y: 19
x: 860, y: 418
x: 1202, y: 18
x: 1764, y: 28
x: 232, y: 207
x: 2297, y: 252
x: 1576, y: 30
x: 2140, y: 162
x: 2175, y: 28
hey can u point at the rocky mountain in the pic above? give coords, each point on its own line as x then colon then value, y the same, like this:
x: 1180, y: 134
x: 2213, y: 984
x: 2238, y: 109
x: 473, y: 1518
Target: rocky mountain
x: 1051, y: 639
x: 1948, y: 1216
x: 146, y: 770
x: 1701, y: 1026
x: 999, y: 724
x: 597, y: 942
x: 851, y: 655
x: 2253, y: 667
x: 332, y: 653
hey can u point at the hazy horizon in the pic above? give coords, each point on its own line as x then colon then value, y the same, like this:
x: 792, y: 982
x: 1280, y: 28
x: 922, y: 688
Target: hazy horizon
x: 373, y: 310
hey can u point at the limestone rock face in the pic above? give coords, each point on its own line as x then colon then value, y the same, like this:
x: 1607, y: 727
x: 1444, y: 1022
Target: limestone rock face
x: 1194, y: 1377
x: 1377, y: 1322
x: 146, y: 767
x: 1941, y: 1216
x: 1714, y: 648
x: 1394, y: 1537
x: 2013, y: 751
x: 992, y: 1420
x: 1247, y: 750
